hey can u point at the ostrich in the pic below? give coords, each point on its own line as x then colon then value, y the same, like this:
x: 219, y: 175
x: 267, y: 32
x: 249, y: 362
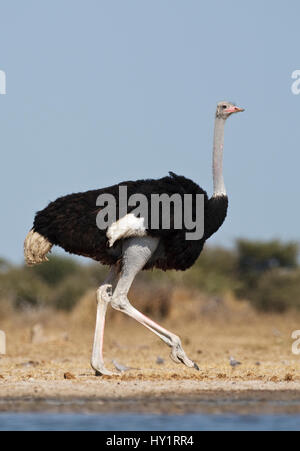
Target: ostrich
x: 127, y: 246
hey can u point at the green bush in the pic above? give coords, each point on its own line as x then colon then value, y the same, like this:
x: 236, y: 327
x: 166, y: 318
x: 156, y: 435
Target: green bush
x: 68, y: 292
x: 258, y: 257
x: 22, y: 288
x: 56, y: 269
x: 214, y: 272
x: 261, y: 263
x: 277, y: 291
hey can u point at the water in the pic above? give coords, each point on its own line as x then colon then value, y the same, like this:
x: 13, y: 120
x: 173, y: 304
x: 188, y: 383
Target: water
x: 140, y: 422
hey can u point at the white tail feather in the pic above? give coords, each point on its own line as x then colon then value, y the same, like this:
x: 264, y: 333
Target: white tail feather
x: 36, y: 248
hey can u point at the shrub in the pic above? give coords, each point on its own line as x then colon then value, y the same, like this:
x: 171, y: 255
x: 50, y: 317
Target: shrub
x: 23, y: 288
x: 214, y: 272
x: 68, y: 292
x: 277, y: 291
x: 56, y: 269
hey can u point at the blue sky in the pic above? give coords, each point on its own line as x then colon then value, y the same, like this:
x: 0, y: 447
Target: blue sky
x: 104, y: 91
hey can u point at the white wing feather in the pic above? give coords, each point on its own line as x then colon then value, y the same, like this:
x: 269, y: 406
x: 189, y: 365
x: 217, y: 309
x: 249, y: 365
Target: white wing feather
x: 126, y: 227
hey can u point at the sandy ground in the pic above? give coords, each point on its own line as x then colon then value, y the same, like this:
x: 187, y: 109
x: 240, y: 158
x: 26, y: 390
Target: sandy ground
x: 32, y: 374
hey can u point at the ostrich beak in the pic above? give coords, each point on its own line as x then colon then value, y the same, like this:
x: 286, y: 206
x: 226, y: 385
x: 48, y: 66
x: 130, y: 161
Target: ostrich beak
x: 234, y: 109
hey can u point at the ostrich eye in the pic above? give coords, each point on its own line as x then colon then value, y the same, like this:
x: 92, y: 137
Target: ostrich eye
x: 224, y: 106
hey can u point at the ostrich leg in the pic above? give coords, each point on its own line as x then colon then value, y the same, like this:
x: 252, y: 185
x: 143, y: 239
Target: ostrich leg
x: 136, y: 253
x: 104, y: 294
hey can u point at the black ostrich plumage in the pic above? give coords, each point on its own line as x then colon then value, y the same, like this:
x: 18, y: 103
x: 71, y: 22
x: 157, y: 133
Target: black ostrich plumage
x: 70, y: 222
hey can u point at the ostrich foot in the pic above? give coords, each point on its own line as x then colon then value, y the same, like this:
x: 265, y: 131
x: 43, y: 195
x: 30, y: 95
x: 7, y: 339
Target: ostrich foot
x: 179, y: 356
x: 102, y: 371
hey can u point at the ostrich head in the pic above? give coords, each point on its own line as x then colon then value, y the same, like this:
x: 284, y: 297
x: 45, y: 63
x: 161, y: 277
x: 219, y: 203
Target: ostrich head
x: 226, y: 109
